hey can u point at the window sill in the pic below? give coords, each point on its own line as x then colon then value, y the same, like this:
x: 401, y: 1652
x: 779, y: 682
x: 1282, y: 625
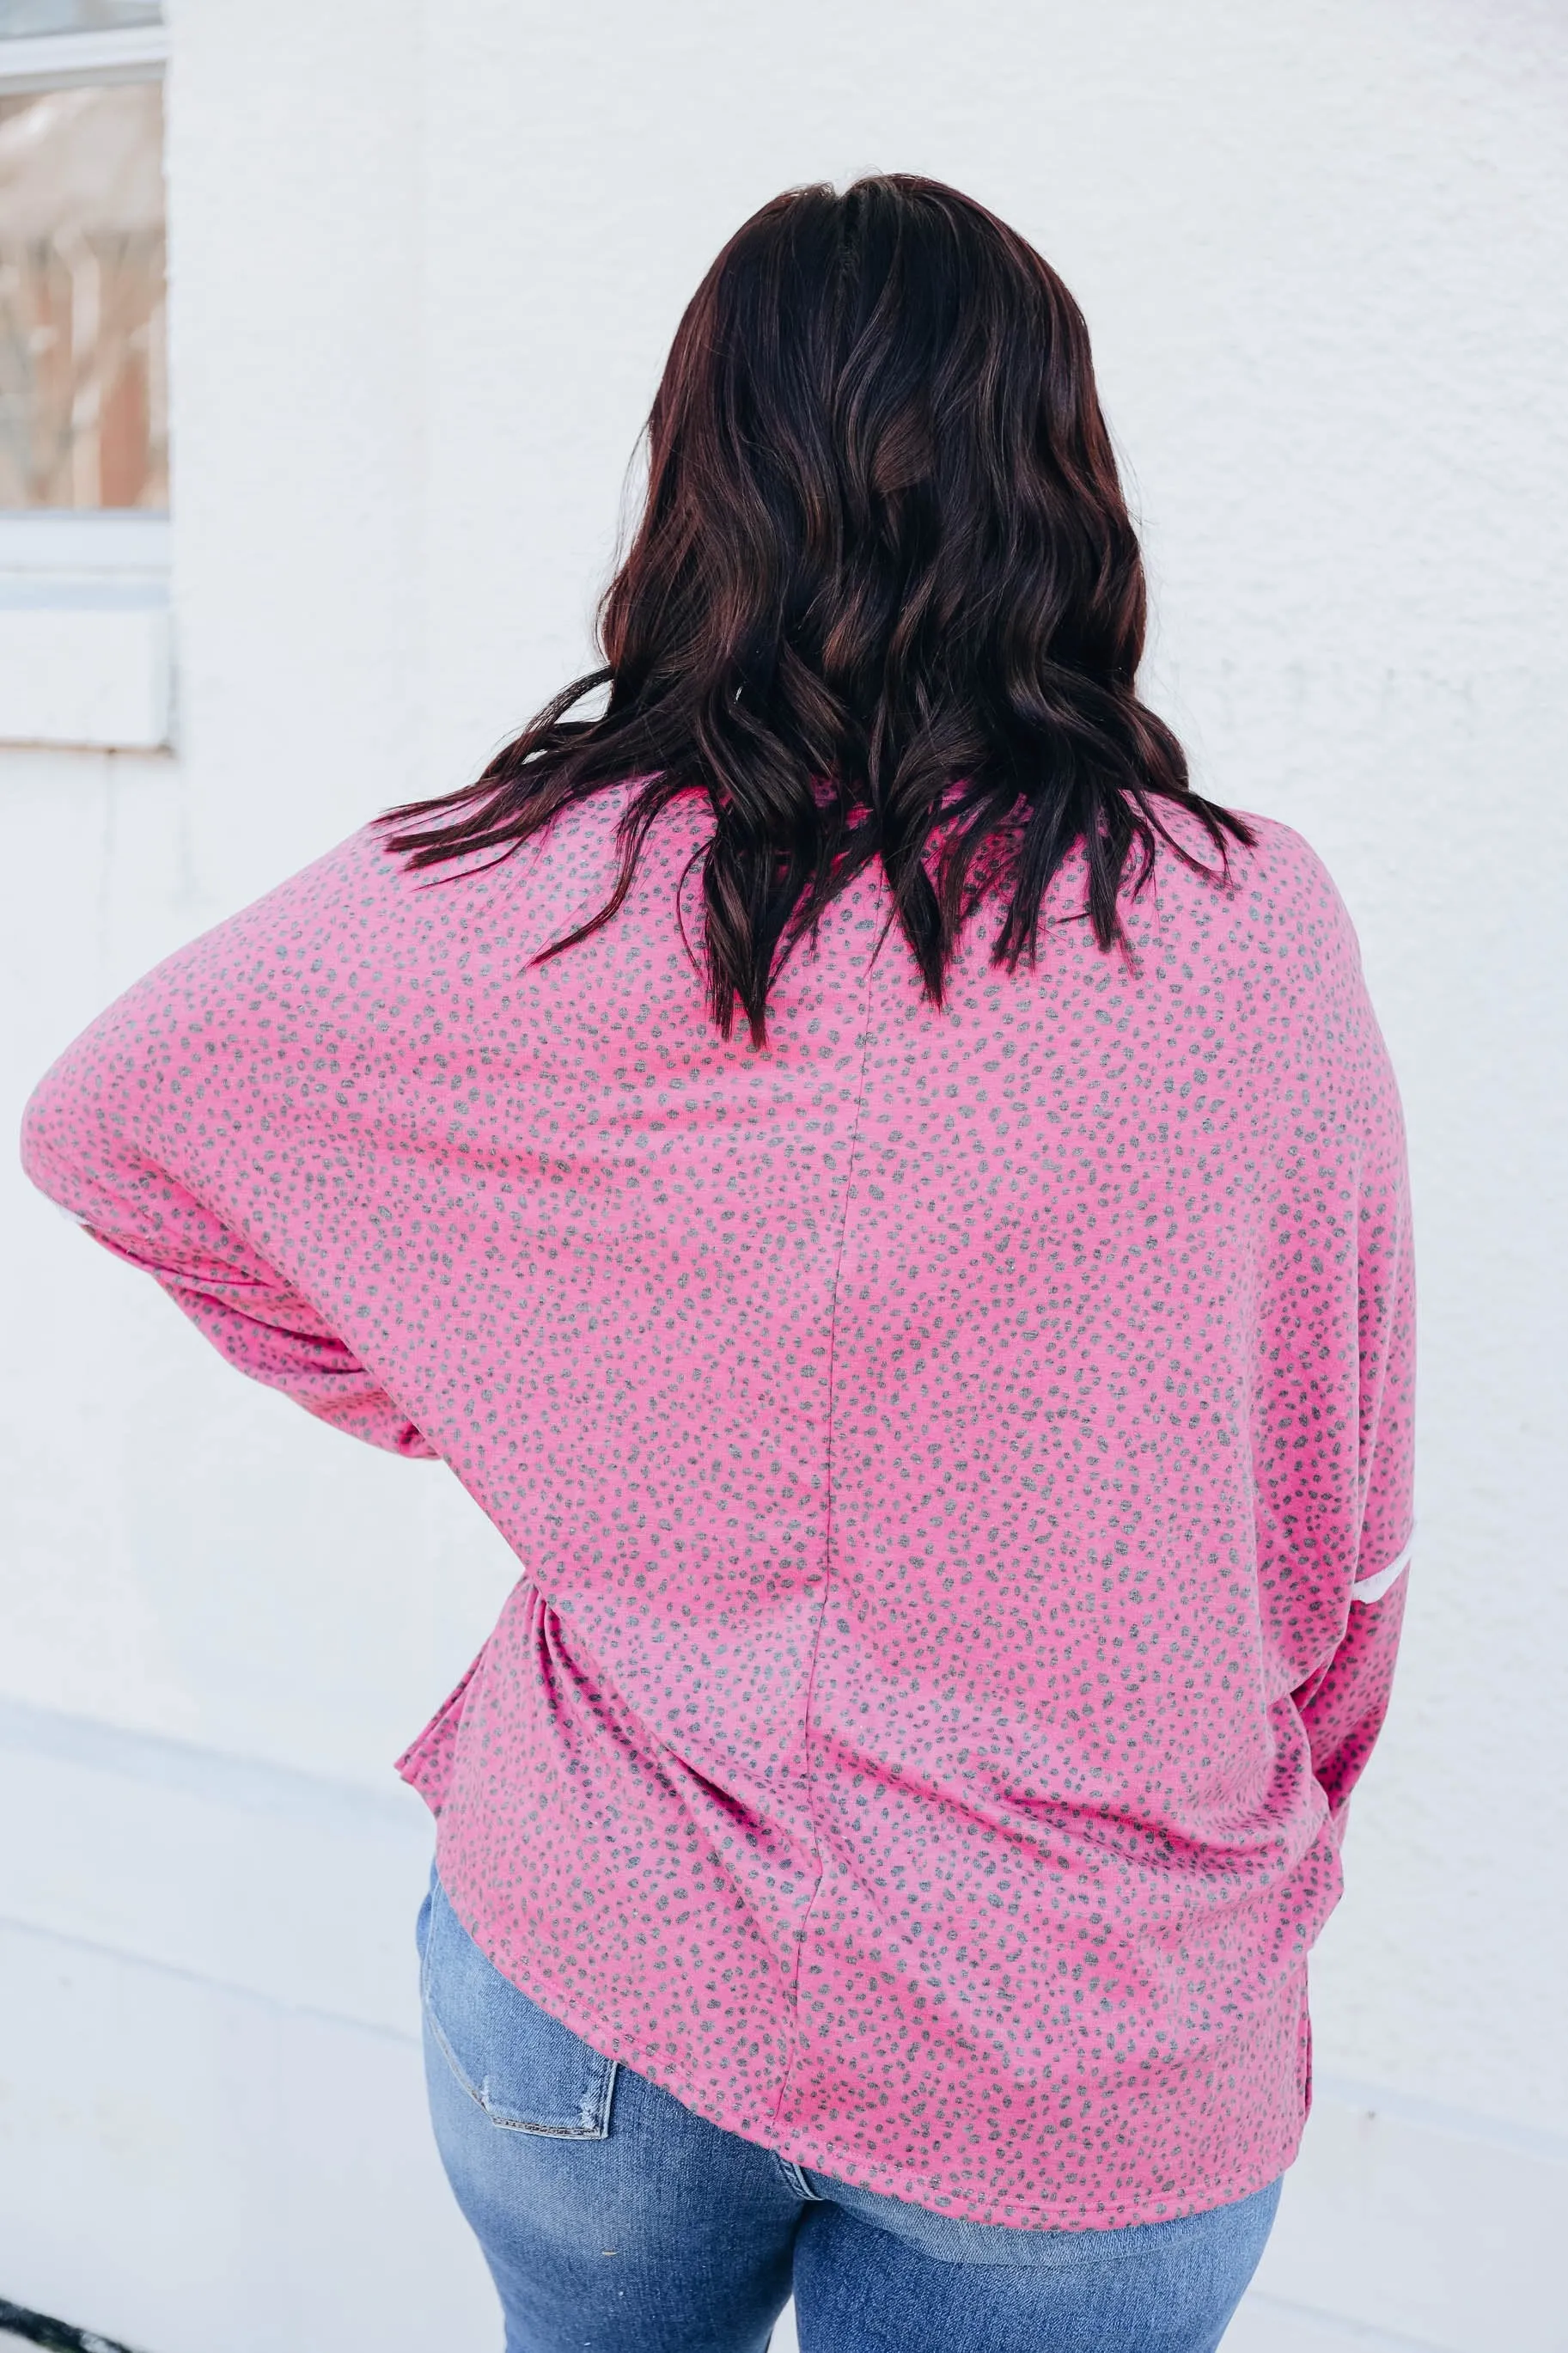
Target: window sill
x: 67, y: 60
x: 84, y: 631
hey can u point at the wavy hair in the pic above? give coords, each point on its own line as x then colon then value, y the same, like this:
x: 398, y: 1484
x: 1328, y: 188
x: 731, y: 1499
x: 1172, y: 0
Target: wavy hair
x: 884, y: 602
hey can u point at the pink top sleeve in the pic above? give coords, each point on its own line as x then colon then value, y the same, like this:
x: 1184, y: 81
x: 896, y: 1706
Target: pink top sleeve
x: 77, y: 1147
x: 1342, y: 1705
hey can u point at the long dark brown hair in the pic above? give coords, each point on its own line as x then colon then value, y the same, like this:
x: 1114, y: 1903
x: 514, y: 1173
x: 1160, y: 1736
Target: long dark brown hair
x: 884, y: 602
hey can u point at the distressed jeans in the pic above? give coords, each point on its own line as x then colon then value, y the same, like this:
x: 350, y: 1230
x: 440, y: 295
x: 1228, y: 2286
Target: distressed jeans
x: 613, y: 2220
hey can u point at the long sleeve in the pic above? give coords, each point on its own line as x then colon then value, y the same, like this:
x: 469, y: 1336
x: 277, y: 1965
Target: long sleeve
x: 1343, y: 1708
x: 78, y: 1148
x: 1342, y: 1705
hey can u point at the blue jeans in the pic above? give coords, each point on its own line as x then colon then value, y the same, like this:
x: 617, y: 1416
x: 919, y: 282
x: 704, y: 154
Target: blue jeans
x: 616, y: 2221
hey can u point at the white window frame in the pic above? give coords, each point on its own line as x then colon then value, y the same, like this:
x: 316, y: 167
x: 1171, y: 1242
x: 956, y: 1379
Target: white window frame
x: 84, y: 594
x: 30, y: 61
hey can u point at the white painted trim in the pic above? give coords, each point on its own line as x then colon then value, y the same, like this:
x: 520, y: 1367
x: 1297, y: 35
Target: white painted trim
x: 1372, y: 1589
x: 85, y: 631
x: 287, y: 1887
x: 1264, y: 2322
x: 68, y: 60
x: 90, y: 672
x: 253, y: 1997
x: 63, y: 541
x: 1375, y: 2100
x: 184, y: 2167
x: 251, y: 1785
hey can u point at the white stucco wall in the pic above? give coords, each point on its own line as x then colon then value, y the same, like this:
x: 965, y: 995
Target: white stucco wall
x: 425, y: 263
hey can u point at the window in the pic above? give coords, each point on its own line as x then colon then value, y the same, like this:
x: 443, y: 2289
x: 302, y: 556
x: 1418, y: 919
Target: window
x: 82, y: 420
x: 84, y: 406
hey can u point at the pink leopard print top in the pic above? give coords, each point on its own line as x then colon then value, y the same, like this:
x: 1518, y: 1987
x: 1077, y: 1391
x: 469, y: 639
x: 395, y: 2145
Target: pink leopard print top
x: 941, y: 1451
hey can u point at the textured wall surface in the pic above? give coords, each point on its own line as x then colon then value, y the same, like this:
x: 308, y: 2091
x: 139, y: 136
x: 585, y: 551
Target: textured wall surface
x: 425, y: 263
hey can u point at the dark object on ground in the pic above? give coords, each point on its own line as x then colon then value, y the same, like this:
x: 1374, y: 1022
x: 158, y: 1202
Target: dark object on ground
x: 40, y: 2329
